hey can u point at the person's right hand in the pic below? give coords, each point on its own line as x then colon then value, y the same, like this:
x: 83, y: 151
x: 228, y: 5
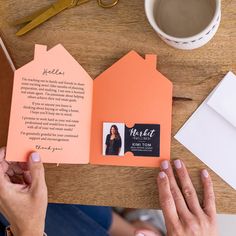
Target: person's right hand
x: 182, y: 211
x: 24, y: 203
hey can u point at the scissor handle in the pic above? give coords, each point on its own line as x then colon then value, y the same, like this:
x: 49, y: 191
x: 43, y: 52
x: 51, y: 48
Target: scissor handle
x: 75, y: 3
x: 102, y: 3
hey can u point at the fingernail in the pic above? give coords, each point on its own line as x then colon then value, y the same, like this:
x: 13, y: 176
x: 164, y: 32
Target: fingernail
x: 164, y: 165
x: 140, y: 234
x: 205, y: 173
x: 145, y: 233
x: 162, y: 175
x: 177, y: 164
x: 35, y: 157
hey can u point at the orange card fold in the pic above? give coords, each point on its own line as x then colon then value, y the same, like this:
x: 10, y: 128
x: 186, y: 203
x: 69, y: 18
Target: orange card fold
x: 131, y: 91
x: 59, y: 111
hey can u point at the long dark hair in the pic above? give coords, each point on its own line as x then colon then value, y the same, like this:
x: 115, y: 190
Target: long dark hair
x: 117, y: 134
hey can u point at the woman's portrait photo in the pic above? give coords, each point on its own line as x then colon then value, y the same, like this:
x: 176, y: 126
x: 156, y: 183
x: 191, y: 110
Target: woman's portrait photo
x: 113, y: 139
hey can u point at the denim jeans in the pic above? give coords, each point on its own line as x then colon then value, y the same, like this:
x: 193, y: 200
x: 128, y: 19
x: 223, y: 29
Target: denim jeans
x: 73, y: 220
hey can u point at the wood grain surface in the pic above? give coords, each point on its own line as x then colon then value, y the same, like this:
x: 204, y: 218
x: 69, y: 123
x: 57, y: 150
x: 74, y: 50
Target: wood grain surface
x: 97, y: 38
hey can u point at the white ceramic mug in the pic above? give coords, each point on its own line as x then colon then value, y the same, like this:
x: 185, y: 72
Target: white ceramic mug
x: 184, y: 24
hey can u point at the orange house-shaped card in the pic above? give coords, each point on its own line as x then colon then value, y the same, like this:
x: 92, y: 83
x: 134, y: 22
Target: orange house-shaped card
x: 59, y: 111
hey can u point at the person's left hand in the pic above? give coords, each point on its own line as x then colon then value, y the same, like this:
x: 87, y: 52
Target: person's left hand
x: 23, y: 195
x: 15, y: 172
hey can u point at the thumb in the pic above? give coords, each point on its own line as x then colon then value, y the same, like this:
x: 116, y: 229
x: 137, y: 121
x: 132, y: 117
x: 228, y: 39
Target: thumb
x: 36, y: 170
x: 145, y: 233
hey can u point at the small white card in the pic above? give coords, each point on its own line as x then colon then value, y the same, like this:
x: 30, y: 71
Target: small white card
x: 210, y: 133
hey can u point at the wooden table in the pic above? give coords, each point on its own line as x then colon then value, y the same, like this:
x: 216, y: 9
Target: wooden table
x: 97, y: 38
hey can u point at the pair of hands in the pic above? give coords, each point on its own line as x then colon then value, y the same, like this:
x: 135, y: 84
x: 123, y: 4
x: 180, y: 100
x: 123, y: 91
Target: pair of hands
x: 23, y: 199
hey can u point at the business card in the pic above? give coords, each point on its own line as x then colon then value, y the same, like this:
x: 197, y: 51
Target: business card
x: 141, y: 139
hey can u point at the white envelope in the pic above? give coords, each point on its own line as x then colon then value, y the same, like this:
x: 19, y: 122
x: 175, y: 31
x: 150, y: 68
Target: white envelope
x: 210, y: 133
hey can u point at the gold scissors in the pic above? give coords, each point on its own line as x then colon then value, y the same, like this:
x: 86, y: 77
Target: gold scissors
x: 45, y: 14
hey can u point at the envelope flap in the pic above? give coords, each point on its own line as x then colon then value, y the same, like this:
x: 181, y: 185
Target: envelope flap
x: 223, y: 99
